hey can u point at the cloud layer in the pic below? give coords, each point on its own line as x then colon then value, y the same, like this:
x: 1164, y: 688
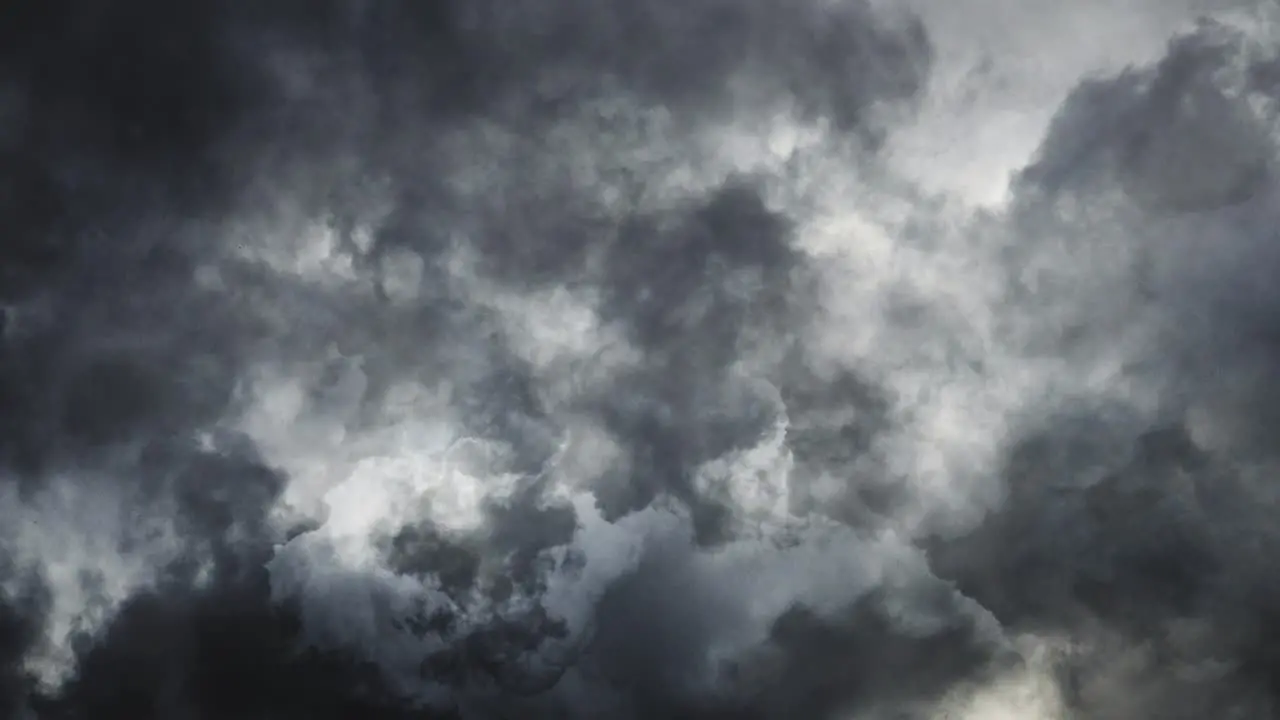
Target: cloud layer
x: 625, y: 360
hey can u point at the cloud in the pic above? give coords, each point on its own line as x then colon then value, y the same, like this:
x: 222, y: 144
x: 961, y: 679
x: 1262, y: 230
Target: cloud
x: 478, y: 359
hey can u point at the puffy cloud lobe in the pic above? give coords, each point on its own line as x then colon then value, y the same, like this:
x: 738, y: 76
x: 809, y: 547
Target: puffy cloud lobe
x: 587, y: 360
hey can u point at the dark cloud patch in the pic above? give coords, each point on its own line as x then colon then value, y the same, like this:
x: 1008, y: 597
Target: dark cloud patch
x: 864, y: 660
x: 225, y: 652
x: 657, y: 624
x: 35, y: 209
x: 208, y: 639
x: 670, y: 429
x: 1161, y: 594
x: 487, y: 57
x: 1176, y: 137
x: 222, y: 495
x: 121, y: 352
x: 1127, y: 530
x: 21, y: 617
x: 691, y: 283
x: 1096, y: 557
x: 653, y: 630
x: 691, y: 290
x: 115, y: 97
x: 836, y: 60
x: 127, y: 82
x: 834, y: 423
x: 1144, y: 561
x: 503, y: 405
x: 398, y: 77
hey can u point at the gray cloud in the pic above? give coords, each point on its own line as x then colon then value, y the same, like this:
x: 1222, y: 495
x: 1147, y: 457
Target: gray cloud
x: 476, y: 359
x: 1128, y: 532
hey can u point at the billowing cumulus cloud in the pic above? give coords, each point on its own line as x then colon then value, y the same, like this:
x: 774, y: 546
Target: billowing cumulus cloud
x: 842, y: 360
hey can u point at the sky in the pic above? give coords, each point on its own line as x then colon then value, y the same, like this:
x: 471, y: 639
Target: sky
x: 712, y: 360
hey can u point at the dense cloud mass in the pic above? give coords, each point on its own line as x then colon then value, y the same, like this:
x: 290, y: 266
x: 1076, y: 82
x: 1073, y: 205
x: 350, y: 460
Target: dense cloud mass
x: 611, y: 359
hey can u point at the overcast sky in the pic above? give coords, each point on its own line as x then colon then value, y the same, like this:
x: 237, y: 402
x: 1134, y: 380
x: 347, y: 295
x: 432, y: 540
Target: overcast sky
x: 733, y: 359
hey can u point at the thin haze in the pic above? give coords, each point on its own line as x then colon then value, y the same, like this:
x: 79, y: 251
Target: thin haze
x: 716, y: 359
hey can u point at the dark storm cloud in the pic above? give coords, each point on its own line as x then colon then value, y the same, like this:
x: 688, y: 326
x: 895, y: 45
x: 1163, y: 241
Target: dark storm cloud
x: 1176, y: 136
x: 1137, y: 536
x: 223, y: 652
x: 137, y: 136
x: 238, y: 233
x: 478, y: 57
x: 835, y: 434
x: 688, y: 290
x: 1151, y: 571
x: 113, y: 147
x: 20, y: 619
x: 864, y: 658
